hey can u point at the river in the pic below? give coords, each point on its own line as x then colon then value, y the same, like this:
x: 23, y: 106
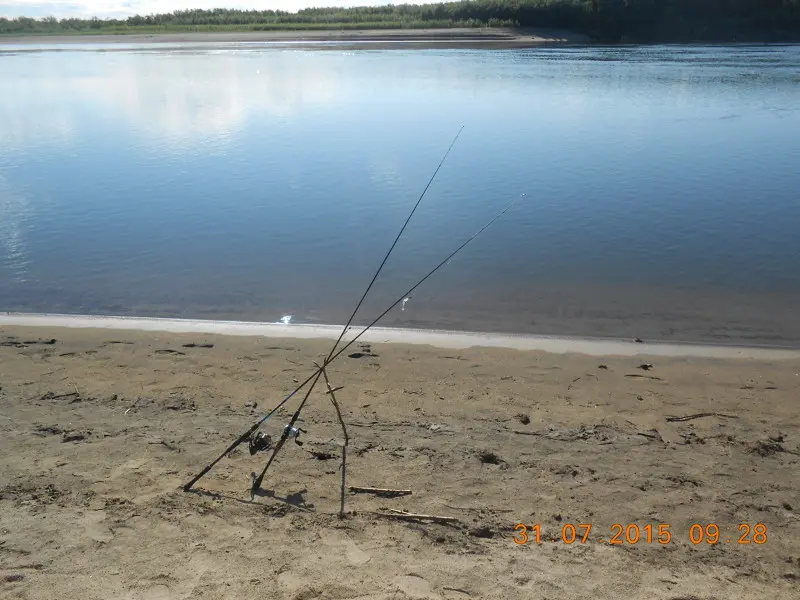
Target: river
x: 256, y: 181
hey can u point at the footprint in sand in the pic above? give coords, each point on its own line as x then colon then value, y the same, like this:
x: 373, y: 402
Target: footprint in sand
x: 127, y: 467
x: 292, y: 583
x: 300, y: 590
x: 157, y: 592
x: 198, y: 565
x: 166, y: 486
x: 190, y: 576
x: 354, y: 554
x: 143, y: 484
x: 415, y: 586
x: 92, y: 524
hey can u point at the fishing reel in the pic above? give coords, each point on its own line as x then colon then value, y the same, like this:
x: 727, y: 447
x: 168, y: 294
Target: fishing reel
x: 259, y: 442
x: 294, y: 432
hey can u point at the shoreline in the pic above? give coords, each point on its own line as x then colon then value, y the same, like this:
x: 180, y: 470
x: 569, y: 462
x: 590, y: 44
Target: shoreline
x: 476, y: 38
x: 431, y: 337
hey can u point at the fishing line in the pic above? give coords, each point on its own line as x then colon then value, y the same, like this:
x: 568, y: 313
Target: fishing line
x: 430, y: 273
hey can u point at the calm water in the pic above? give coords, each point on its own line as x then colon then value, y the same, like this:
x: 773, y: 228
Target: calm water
x: 242, y: 181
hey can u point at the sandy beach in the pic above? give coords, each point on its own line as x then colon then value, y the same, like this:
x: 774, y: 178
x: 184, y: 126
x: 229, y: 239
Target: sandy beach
x: 481, y: 38
x: 101, y: 427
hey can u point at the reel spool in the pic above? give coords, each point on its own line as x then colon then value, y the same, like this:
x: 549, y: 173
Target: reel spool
x: 259, y: 442
x: 294, y: 432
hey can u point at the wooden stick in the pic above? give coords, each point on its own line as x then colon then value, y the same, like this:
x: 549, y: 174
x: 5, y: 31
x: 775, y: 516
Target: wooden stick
x: 414, y: 517
x: 700, y: 415
x: 379, y: 491
x: 346, y: 438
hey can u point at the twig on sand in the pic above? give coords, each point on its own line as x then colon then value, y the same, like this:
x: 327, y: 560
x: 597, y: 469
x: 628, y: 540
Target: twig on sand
x: 166, y: 444
x: 35, y: 566
x: 132, y: 406
x: 52, y: 396
x: 536, y: 433
x: 379, y: 491
x: 699, y: 415
x: 398, y: 514
x: 574, y: 381
x: 459, y: 590
x: 468, y: 508
x: 637, y: 376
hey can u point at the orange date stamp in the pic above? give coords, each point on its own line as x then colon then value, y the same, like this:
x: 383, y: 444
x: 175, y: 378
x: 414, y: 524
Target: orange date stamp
x: 651, y: 533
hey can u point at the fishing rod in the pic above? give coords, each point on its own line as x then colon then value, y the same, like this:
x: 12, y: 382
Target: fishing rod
x: 290, y: 430
x: 316, y: 374
x: 315, y: 377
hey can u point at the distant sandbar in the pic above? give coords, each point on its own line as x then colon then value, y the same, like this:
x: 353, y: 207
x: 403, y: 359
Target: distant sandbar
x: 479, y: 38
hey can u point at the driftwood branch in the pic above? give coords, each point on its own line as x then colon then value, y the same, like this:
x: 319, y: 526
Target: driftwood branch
x: 699, y: 415
x: 379, y: 491
x: 398, y: 514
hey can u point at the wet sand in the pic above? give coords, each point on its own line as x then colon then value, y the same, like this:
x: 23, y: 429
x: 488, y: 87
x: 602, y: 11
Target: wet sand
x: 393, y: 335
x: 101, y: 427
x: 479, y: 38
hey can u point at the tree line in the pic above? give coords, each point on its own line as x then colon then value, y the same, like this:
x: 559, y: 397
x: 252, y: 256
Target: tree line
x: 602, y: 20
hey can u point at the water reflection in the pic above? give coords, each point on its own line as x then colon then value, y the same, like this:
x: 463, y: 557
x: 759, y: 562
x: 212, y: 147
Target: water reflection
x: 34, y: 114
x: 15, y: 214
x: 171, y: 100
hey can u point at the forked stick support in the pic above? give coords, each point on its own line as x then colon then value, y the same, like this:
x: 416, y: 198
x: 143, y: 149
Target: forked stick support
x: 331, y: 391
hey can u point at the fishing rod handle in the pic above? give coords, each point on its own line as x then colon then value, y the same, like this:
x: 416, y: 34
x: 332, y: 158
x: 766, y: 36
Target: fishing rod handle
x: 230, y: 449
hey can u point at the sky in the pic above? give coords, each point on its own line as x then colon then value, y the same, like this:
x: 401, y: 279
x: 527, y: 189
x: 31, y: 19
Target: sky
x: 124, y: 8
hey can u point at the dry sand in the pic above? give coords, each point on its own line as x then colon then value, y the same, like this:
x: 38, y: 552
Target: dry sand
x: 100, y: 428
x: 486, y: 38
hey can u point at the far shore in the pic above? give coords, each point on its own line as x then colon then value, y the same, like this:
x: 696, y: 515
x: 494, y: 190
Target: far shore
x: 430, y: 337
x: 478, y: 38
